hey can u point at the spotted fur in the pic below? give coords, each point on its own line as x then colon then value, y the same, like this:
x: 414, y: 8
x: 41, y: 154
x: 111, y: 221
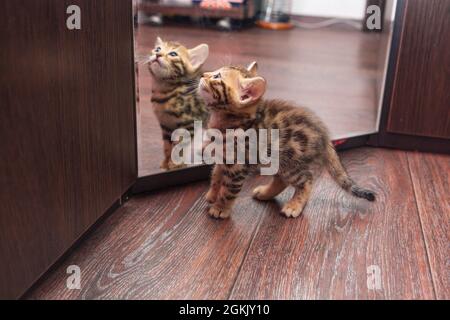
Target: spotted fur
x: 234, y: 95
x: 176, y: 71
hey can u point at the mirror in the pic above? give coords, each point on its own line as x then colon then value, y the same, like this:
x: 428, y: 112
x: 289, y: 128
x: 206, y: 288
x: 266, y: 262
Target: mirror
x: 317, y: 53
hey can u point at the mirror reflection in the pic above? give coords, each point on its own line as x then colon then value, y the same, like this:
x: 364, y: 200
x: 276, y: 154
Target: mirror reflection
x: 321, y: 54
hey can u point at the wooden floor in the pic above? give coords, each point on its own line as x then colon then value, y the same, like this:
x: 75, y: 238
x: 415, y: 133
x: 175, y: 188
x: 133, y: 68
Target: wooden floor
x: 333, y: 71
x: 164, y: 246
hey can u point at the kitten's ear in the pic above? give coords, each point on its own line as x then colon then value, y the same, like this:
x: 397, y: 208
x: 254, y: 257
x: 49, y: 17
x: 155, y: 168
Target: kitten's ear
x: 158, y: 42
x: 252, y: 89
x: 198, y: 56
x: 253, y: 68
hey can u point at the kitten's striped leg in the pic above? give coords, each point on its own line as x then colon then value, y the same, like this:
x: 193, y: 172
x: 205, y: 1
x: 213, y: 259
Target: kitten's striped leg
x: 271, y: 190
x: 170, y: 164
x: 216, y: 182
x: 189, y: 127
x: 167, y: 163
x: 233, y: 178
x: 167, y: 153
x: 294, y: 207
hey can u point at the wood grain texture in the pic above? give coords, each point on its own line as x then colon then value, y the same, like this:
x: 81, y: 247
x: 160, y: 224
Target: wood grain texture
x: 165, y: 246
x: 334, y: 71
x: 162, y: 246
x: 420, y: 102
x: 67, y: 128
x: 431, y: 180
x: 326, y: 253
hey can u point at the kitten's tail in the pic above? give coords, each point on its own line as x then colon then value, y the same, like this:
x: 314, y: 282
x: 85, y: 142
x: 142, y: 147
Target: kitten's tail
x: 339, y: 174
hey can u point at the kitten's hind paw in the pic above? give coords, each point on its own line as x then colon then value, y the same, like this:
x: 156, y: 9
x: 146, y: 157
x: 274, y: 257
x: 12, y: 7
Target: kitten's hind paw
x: 219, y: 213
x: 291, y: 210
x: 260, y: 193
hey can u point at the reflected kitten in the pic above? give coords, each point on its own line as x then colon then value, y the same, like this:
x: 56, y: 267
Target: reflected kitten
x: 235, y: 98
x: 176, y: 71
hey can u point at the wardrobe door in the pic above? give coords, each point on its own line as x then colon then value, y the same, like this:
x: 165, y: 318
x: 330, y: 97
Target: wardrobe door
x: 418, y: 114
x: 420, y: 104
x: 67, y: 128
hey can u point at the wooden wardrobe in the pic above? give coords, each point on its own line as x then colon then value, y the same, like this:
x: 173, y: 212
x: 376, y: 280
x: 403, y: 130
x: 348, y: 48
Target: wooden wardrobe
x: 67, y: 127
x: 416, y: 109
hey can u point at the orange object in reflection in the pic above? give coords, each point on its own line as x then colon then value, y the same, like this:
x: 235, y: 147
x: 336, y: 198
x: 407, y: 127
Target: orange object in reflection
x: 275, y: 25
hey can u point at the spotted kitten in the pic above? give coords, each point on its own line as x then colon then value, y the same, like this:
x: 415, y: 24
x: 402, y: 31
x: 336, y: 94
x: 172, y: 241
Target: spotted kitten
x: 176, y: 71
x: 235, y: 97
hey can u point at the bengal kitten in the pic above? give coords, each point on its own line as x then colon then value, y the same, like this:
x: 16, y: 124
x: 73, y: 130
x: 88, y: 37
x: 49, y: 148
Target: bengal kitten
x: 235, y: 98
x: 176, y: 71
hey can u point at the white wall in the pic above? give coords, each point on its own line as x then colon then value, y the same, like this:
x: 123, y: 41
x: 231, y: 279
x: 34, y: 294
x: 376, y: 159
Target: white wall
x: 346, y: 9
x: 391, y: 7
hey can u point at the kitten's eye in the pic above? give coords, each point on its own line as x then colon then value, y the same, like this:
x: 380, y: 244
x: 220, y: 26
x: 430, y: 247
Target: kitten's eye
x: 217, y: 76
x: 173, y: 54
x: 158, y: 49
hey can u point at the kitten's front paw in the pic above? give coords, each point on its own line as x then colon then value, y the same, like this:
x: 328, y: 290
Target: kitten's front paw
x: 260, y: 193
x: 164, y: 165
x: 219, y: 213
x: 291, y: 210
x: 173, y: 166
x: 211, y: 196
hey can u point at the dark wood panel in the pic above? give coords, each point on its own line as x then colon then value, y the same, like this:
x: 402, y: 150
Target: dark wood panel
x: 325, y: 254
x: 420, y: 102
x: 409, y: 142
x: 431, y: 179
x: 385, y: 138
x: 162, y: 246
x: 67, y: 128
